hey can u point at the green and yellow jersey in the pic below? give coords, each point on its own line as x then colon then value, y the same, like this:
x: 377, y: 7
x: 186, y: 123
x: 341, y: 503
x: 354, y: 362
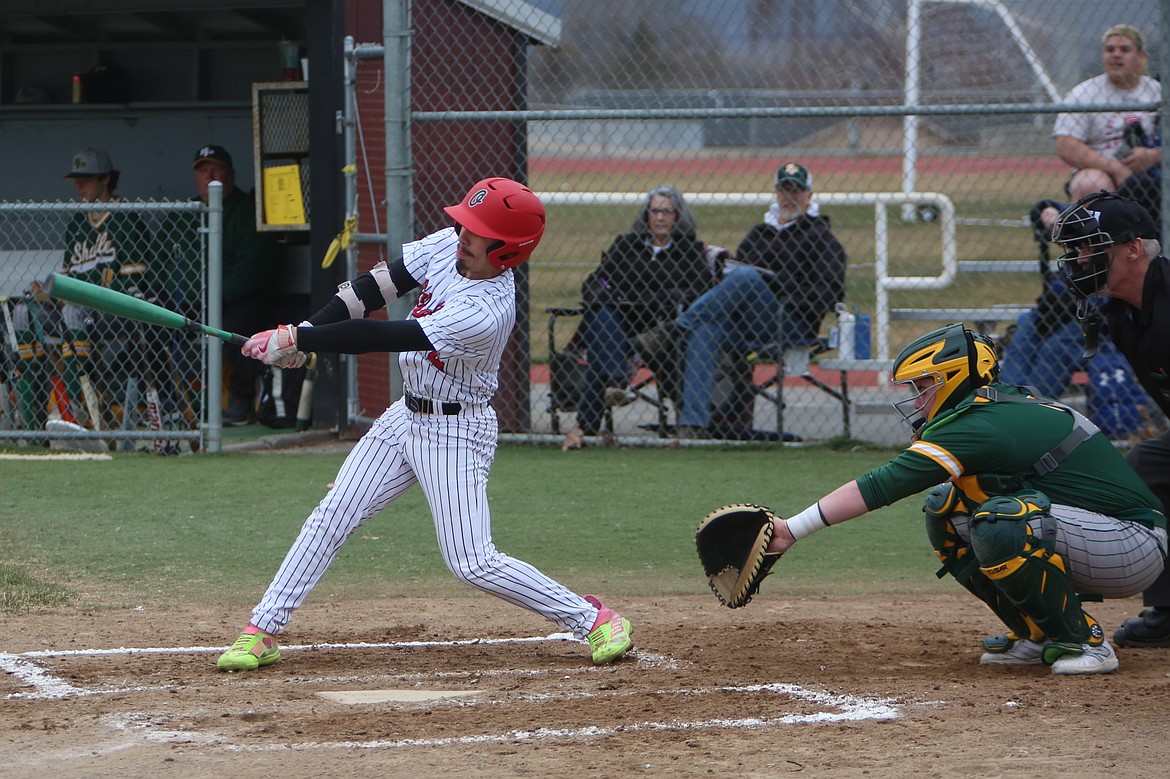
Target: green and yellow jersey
x: 990, y: 447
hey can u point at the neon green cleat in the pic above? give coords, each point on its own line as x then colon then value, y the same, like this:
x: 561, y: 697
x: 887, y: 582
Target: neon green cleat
x: 612, y: 634
x: 250, y: 651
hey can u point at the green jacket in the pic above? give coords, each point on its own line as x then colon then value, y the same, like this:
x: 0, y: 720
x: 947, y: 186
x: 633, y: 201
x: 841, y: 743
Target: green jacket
x: 248, y: 255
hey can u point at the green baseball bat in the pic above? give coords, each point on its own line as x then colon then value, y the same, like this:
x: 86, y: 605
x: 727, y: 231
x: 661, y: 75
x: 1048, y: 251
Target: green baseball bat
x: 108, y: 301
x: 120, y: 304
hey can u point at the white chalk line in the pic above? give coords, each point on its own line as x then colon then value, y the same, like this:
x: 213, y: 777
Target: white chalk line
x: 77, y: 456
x: 843, y: 708
x: 48, y: 687
x: 848, y: 708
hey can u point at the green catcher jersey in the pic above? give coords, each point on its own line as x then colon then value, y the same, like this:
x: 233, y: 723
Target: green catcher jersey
x: 989, y: 447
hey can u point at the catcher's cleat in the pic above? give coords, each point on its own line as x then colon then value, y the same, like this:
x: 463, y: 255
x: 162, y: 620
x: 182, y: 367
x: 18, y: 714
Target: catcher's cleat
x: 249, y: 652
x: 1095, y: 659
x: 1011, y: 650
x: 612, y: 635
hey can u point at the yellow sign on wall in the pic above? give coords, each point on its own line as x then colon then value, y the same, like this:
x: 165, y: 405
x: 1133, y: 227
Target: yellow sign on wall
x: 283, y: 202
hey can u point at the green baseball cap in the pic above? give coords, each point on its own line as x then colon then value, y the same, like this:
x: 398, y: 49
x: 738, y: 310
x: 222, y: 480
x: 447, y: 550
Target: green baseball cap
x: 794, y: 173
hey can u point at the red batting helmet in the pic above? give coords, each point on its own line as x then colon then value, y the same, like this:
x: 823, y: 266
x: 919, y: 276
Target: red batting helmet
x: 505, y: 211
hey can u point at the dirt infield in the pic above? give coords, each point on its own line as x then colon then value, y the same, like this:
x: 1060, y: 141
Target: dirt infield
x: 827, y: 687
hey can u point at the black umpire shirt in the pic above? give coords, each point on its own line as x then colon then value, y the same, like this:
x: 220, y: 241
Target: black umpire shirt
x: 1143, y: 336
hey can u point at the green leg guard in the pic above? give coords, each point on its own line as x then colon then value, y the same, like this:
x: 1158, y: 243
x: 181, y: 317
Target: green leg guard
x: 1031, y: 577
x: 959, y: 559
x: 953, y: 552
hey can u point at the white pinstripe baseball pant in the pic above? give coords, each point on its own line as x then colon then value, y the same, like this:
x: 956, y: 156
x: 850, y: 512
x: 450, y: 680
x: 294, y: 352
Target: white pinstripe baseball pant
x: 449, y: 457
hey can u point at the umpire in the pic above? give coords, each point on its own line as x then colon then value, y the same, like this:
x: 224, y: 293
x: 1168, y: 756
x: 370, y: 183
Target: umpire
x: 1111, y: 247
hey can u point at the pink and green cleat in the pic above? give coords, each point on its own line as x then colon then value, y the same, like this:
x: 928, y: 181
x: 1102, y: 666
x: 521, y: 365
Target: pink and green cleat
x: 611, y: 636
x: 249, y: 652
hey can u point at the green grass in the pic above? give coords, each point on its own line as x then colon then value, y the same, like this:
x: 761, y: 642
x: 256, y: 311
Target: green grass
x: 20, y: 592
x: 213, y: 529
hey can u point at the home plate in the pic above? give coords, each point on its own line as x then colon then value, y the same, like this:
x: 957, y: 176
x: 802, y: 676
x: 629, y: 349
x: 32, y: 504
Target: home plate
x: 393, y: 696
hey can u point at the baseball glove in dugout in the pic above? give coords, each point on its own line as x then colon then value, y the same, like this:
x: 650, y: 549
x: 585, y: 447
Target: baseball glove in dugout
x: 732, y: 543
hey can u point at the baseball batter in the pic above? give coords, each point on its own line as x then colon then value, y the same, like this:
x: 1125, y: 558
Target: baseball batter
x: 1036, y: 511
x: 442, y: 434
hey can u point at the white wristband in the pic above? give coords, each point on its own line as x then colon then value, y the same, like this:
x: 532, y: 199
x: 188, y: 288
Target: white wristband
x: 807, y: 522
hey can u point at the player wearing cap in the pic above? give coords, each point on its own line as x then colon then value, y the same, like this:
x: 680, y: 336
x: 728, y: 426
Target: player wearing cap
x: 442, y: 433
x: 1032, y: 509
x: 248, y: 265
x: 107, y: 248
x: 1110, y: 247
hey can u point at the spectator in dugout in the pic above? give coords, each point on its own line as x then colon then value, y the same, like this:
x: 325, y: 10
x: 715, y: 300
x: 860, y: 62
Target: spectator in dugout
x: 248, y: 266
x: 787, y: 274
x: 106, y: 248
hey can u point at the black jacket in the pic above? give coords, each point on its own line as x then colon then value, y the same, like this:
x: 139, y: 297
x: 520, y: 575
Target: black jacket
x: 647, y: 288
x: 1143, y: 336
x: 806, y: 265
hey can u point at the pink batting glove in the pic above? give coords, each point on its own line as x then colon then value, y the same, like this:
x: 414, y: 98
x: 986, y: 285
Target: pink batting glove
x: 276, y: 347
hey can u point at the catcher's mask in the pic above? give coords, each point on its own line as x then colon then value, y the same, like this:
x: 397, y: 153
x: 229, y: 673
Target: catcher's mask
x: 941, y: 368
x: 505, y: 211
x: 1087, y: 228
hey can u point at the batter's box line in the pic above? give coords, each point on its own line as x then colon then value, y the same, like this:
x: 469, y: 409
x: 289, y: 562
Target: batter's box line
x: 849, y: 708
x: 49, y: 687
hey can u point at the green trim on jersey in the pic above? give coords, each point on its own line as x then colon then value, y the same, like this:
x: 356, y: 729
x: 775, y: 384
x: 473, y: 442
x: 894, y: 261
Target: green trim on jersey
x: 989, y: 448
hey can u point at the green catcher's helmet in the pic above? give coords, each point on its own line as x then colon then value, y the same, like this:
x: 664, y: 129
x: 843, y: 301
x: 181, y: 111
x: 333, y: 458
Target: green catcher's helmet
x: 958, y: 361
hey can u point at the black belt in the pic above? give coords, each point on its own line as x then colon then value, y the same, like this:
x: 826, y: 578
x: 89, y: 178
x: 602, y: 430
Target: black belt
x: 423, y: 406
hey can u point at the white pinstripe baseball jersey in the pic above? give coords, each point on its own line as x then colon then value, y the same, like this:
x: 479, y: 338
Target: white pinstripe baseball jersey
x: 468, y: 322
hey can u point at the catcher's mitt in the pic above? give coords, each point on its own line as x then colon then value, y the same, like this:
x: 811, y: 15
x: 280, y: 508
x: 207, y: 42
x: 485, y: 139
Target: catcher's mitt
x: 731, y: 542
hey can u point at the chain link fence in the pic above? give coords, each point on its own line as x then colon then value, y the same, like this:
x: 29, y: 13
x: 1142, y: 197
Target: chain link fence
x: 76, y: 378
x: 670, y: 293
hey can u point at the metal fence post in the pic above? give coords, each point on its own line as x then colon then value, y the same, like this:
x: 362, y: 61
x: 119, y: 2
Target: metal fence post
x: 212, y: 386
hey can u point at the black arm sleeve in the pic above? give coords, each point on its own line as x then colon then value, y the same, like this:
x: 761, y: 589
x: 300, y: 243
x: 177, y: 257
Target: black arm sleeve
x: 368, y: 292
x: 358, y: 336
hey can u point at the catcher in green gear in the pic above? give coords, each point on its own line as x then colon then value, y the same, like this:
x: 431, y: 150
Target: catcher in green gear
x: 1032, y: 509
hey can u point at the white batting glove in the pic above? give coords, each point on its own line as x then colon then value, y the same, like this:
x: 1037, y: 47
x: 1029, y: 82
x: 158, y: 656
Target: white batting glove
x: 276, y: 347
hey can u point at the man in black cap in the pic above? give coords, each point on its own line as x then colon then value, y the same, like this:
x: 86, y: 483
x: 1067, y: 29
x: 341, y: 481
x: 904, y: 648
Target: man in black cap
x: 1111, y: 248
x: 248, y: 264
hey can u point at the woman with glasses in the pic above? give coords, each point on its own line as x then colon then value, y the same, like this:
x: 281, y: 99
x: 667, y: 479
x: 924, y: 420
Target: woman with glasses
x: 646, y: 277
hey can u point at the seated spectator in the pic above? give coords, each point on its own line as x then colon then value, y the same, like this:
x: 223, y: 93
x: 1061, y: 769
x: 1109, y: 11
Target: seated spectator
x: 248, y: 266
x: 788, y: 273
x: 1047, y: 346
x: 646, y: 277
x: 1124, y: 144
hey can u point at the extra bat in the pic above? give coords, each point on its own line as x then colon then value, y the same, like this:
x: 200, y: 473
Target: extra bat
x: 109, y: 301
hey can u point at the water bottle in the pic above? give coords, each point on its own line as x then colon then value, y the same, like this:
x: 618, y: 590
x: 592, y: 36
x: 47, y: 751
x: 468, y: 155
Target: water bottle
x: 846, y: 333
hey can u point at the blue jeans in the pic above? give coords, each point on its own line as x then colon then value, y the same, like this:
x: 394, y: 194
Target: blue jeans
x: 1047, y: 362
x: 607, y: 364
x: 737, y: 313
